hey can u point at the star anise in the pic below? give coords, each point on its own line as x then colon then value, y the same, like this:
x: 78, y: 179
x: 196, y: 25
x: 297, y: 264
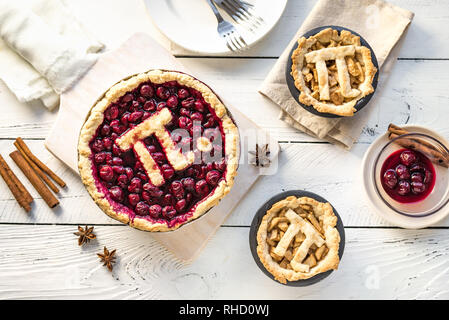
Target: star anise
x: 85, y: 235
x: 108, y: 258
x: 261, y: 157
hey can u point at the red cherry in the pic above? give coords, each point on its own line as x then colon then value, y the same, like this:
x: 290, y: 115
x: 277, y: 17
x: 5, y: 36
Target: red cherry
x: 117, y: 161
x: 119, y: 129
x: 167, y: 171
x: 172, y: 102
x: 125, y: 118
x: 111, y: 113
x: 176, y: 136
x: 168, y: 212
x: 134, y: 106
x: 142, y: 176
x: 210, y: 122
x: 184, y: 123
x: 107, y: 143
x: 150, y: 105
x: 188, y: 103
x: 177, y: 189
x: 199, y: 106
x: 181, y: 205
x: 105, y: 130
x: 116, y: 193
x: 189, y: 184
x: 135, y: 116
x: 97, y: 145
x: 116, y: 150
x: 146, y: 196
x: 135, y: 186
x: 122, y: 180
x: 141, y: 100
x: 152, y: 190
x: 118, y: 169
x: 129, y: 173
x: 151, y: 148
x: 133, y: 199
x: 158, y: 157
x: 184, y: 112
x: 196, y: 116
x: 183, y: 93
x: 162, y: 92
x: 402, y: 172
x: 418, y: 187
x: 106, y: 173
x: 99, y: 158
x: 155, y: 211
x: 172, y: 83
x: 390, y: 178
x: 407, y: 157
x: 201, y: 187
x: 169, y: 199
x: 417, y: 177
x: 108, y: 158
x: 403, y: 187
x: 212, y: 177
x: 142, y: 208
x: 127, y: 98
x: 417, y: 167
x: 147, y: 91
x: 220, y: 165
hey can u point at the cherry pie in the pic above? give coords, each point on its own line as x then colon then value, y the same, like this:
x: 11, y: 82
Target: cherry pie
x: 332, y: 71
x: 158, y: 150
x: 297, y: 239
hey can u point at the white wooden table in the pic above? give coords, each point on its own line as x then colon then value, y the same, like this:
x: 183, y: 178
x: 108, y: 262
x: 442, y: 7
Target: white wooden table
x: 39, y: 256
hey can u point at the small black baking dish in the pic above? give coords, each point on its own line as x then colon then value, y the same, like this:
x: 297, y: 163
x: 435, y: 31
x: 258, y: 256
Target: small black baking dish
x: 258, y: 219
x: 295, y: 92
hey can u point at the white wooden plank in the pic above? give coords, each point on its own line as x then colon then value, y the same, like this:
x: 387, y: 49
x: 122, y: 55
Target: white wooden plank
x: 45, y: 262
x: 415, y: 93
x: 324, y: 169
x: 425, y: 38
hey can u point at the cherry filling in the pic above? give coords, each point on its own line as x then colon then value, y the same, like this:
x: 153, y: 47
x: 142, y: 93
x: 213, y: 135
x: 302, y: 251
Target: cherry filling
x: 123, y: 176
x: 408, y: 176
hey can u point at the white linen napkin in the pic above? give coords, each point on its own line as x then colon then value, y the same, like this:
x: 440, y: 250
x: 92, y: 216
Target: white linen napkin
x: 44, y: 49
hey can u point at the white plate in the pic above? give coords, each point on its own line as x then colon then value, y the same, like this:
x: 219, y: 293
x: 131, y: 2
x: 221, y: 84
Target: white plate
x: 192, y: 25
x: 373, y: 198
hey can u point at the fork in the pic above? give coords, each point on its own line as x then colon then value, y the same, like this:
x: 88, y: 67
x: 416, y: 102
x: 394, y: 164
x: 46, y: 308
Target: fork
x: 241, y: 12
x: 227, y: 31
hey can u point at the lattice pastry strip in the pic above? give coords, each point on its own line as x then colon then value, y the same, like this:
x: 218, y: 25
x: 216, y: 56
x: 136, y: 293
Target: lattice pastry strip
x: 338, y: 54
x: 298, y: 224
x: 332, y: 71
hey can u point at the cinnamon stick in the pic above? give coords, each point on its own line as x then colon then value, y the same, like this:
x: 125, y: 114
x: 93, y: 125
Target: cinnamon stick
x: 39, y: 163
x: 434, y: 155
x: 39, y: 172
x: 392, y: 128
x: 41, y: 188
x: 18, y: 190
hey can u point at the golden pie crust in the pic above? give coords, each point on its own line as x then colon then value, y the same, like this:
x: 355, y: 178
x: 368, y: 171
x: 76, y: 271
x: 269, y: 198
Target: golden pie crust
x: 95, y: 119
x: 332, y: 71
x: 297, y: 239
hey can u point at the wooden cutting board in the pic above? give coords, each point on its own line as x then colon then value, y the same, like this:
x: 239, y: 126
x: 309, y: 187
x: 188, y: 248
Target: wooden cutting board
x: 138, y: 54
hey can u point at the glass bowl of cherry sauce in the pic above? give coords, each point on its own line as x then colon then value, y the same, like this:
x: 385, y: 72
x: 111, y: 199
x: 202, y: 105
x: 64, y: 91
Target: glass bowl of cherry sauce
x: 411, y: 174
